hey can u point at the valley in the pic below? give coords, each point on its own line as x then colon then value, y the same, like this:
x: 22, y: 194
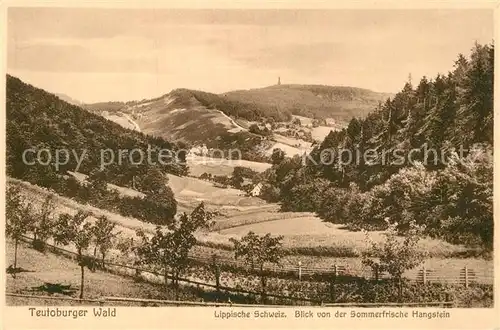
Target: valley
x: 317, y: 246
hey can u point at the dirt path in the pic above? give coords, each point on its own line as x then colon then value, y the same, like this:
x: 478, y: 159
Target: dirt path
x: 137, y: 128
x: 232, y: 121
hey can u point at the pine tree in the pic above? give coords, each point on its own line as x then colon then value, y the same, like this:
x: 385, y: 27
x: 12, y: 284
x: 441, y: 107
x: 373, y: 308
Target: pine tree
x: 476, y: 109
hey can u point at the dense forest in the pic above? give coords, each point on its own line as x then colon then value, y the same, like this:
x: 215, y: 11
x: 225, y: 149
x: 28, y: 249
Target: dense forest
x: 247, y: 110
x: 426, y: 156
x: 44, y: 123
x: 314, y: 101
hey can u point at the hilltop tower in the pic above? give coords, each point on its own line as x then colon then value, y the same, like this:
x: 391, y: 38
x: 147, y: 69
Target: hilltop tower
x: 279, y: 80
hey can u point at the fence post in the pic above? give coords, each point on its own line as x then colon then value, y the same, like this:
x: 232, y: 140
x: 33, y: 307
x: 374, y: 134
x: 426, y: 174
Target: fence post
x: 300, y: 271
x: 466, y: 277
x: 217, y: 283
x: 448, y: 300
x: 333, y: 279
x: 424, y: 275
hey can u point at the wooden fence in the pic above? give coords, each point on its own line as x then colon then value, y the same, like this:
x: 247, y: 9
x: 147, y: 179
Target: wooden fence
x: 129, y: 270
x: 157, y: 302
x: 467, y: 277
x: 463, y: 276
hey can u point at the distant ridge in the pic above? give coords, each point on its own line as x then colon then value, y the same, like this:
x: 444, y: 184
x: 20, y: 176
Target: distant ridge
x: 278, y: 102
x: 314, y: 101
x: 68, y: 99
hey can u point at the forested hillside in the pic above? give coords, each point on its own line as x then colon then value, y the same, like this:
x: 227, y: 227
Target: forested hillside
x: 39, y: 119
x: 180, y: 116
x: 248, y: 110
x: 425, y: 155
x: 314, y: 101
x: 104, y: 106
x: 49, y: 127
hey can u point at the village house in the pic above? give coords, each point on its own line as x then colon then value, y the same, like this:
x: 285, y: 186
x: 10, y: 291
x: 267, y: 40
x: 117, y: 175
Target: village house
x: 256, y: 190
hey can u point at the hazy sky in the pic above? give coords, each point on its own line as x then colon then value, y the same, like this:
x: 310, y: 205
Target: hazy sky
x: 109, y: 54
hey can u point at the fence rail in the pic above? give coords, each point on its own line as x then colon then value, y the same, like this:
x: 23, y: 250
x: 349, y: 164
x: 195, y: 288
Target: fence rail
x: 221, y: 288
x: 445, y: 276
x: 129, y: 270
x: 58, y: 298
x: 451, y: 276
x: 463, y: 276
x: 106, y: 300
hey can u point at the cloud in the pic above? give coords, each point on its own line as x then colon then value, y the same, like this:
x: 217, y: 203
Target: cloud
x: 67, y: 57
x: 135, y: 53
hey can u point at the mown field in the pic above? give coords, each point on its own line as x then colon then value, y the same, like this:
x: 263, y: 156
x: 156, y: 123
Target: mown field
x: 192, y: 191
x: 320, y: 132
x: 307, y: 230
x: 242, y: 214
x: 199, y: 165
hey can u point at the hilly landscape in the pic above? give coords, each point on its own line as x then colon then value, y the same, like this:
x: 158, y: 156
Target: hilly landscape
x: 223, y: 121
x: 324, y: 229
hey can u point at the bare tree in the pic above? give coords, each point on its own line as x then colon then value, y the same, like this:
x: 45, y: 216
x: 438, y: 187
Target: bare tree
x: 168, y: 250
x: 396, y: 254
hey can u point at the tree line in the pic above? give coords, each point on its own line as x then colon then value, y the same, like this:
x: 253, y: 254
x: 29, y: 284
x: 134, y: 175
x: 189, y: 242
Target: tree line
x: 242, y: 178
x: 166, y: 249
x: 247, y: 110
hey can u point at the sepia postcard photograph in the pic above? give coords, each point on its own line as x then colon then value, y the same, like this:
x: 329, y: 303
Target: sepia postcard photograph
x: 268, y: 164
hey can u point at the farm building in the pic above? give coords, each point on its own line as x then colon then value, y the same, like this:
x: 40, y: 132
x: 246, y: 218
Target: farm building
x: 199, y: 150
x: 256, y: 190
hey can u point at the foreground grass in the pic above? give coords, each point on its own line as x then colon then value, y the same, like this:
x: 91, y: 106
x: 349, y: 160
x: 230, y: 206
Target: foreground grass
x: 58, y: 269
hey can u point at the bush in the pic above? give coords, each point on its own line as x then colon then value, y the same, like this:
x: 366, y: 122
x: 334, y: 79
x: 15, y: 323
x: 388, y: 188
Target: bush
x: 269, y: 193
x: 255, y: 129
x: 304, y: 197
x: 39, y: 245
